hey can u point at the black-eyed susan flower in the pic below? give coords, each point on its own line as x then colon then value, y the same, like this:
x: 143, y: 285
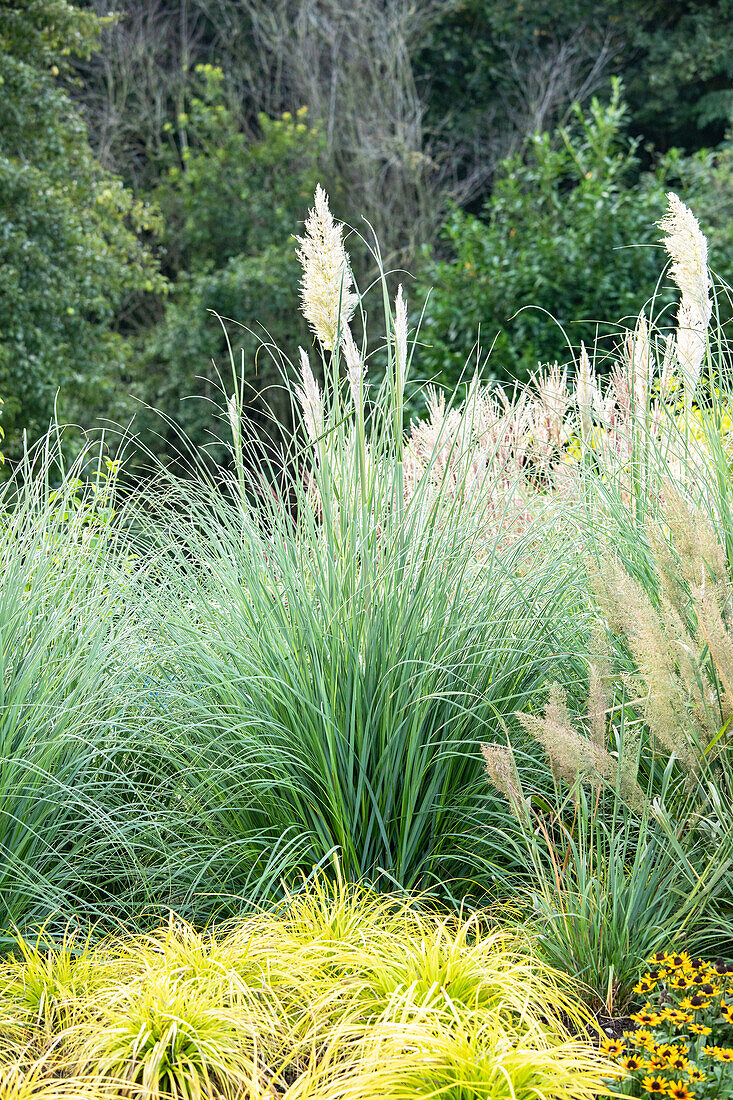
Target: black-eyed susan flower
x: 679, y: 1063
x: 658, y: 957
x: 612, y: 1047
x: 695, y: 1003
x: 679, y: 1090
x: 644, y: 985
x: 676, y: 961
x: 726, y: 1011
x: 641, y: 1037
x: 658, y: 1061
x: 632, y: 1063
x: 699, y: 1029
x: 676, y: 1017
x: 654, y: 1083
x: 710, y: 989
x: 646, y: 1017
x: 724, y: 1054
x: 680, y: 980
x: 695, y: 1074
x: 711, y: 1050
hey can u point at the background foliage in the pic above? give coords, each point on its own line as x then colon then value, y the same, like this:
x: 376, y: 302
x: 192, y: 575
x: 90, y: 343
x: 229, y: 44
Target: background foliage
x: 156, y: 163
x: 72, y: 251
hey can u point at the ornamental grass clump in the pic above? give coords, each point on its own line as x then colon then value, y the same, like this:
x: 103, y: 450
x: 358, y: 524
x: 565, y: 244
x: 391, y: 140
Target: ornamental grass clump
x: 335, y: 629
x: 78, y: 819
x: 340, y: 992
x: 631, y: 845
x: 682, y: 1045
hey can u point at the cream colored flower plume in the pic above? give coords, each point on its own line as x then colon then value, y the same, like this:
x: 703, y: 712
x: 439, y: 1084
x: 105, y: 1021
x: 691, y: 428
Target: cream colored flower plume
x: 587, y: 396
x: 355, y: 368
x: 328, y: 301
x: 400, y: 336
x: 688, y: 249
x: 309, y: 396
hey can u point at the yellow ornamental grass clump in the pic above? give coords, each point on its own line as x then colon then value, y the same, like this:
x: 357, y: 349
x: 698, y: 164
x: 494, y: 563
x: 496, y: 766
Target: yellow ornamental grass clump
x: 341, y: 993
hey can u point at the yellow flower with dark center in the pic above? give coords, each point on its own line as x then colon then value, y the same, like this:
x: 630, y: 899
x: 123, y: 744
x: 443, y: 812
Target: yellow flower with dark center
x: 696, y: 1074
x: 646, y: 985
x: 654, y: 1084
x: 710, y: 989
x: 680, y: 980
x: 612, y: 1047
x: 726, y: 1011
x: 641, y: 1037
x: 646, y: 1017
x: 658, y: 957
x: 676, y: 961
x: 695, y: 1003
x: 712, y: 1051
x: 676, y: 1017
x: 679, y: 1062
x: 699, y: 1029
x: 678, y: 1090
x: 658, y: 1061
x: 724, y: 1054
x: 632, y: 1062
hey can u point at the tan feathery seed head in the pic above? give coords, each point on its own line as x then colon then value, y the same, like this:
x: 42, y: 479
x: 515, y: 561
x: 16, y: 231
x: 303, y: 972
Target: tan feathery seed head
x: 309, y: 396
x: 688, y: 249
x: 501, y: 770
x: 328, y: 301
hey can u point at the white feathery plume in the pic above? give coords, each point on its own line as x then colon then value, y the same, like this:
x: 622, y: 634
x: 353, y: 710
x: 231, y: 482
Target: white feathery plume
x: 309, y: 396
x: 400, y: 334
x: 638, y: 366
x: 355, y: 366
x: 328, y: 301
x: 587, y: 396
x: 688, y: 249
x: 549, y: 409
x: 233, y: 413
